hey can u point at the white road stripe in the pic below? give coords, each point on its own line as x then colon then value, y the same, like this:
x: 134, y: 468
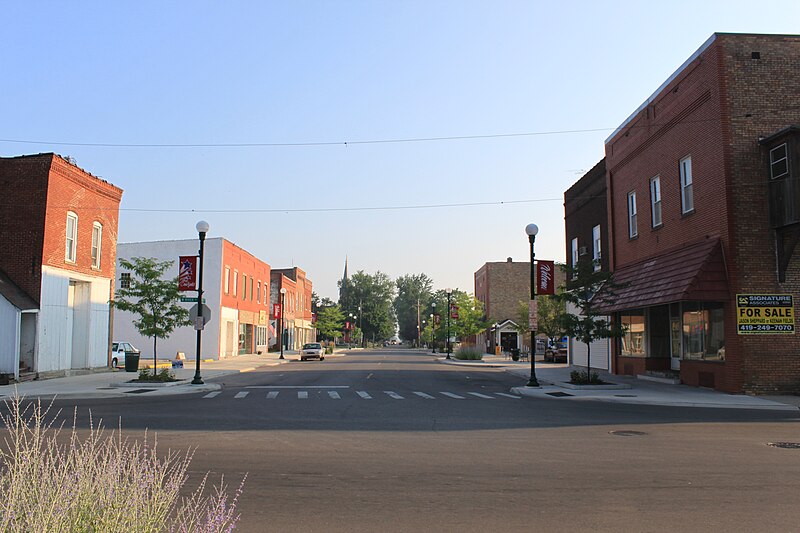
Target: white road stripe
x: 212, y: 394
x: 302, y: 395
x: 271, y: 395
x: 392, y: 394
x: 426, y: 396
x: 451, y: 395
x: 364, y: 394
x: 479, y: 395
x: 241, y: 394
x: 297, y: 387
x: 334, y: 395
x: 508, y: 395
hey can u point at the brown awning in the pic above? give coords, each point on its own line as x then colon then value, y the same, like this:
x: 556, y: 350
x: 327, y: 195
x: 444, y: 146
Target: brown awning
x: 693, y: 272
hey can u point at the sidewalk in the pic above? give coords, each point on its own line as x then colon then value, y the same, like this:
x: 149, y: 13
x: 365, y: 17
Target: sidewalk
x: 554, y: 381
x: 113, y: 383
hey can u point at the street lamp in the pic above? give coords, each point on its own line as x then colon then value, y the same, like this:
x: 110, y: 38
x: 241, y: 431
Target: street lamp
x: 433, y: 322
x: 283, y: 305
x: 449, y: 292
x: 532, y: 230
x: 202, y: 228
x: 419, y: 334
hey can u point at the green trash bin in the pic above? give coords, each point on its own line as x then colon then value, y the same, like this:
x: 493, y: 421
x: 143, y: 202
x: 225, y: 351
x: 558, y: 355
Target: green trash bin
x: 131, y: 361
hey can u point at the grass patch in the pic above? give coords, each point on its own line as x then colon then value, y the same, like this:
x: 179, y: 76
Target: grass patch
x: 582, y: 377
x: 53, y: 481
x: 164, y: 376
x: 469, y: 353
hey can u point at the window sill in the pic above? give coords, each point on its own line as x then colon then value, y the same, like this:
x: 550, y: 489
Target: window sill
x: 687, y: 213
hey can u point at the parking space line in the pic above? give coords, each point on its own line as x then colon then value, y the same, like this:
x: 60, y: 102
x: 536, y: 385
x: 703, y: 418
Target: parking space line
x: 392, y: 394
x: 451, y: 395
x: 426, y: 396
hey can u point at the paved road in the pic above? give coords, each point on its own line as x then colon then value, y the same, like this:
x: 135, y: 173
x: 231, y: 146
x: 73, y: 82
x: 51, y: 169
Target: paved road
x: 393, y: 441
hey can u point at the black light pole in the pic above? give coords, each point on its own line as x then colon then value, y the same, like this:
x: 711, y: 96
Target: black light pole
x: 532, y: 230
x: 202, y: 229
x: 449, y: 292
x: 433, y: 321
x: 283, y: 303
x: 361, y: 324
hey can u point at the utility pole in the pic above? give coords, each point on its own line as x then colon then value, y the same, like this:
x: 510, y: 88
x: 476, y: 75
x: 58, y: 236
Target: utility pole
x: 419, y: 343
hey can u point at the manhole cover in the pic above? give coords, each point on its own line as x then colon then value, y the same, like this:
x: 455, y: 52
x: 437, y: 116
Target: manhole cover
x: 625, y: 395
x: 627, y: 433
x: 558, y: 394
x: 139, y: 391
x: 789, y: 445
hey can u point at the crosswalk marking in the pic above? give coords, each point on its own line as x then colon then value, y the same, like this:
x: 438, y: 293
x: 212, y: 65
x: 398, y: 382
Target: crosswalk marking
x: 503, y: 394
x: 423, y: 395
x: 479, y: 395
x: 212, y: 394
x: 334, y: 395
x: 271, y: 395
x: 302, y: 395
x: 241, y: 394
x: 364, y: 394
x: 451, y: 395
x: 392, y: 394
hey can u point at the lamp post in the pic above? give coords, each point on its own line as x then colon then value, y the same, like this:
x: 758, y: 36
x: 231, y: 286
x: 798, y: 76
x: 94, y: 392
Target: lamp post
x: 532, y: 230
x: 496, y: 339
x: 433, y: 322
x: 283, y: 305
x: 419, y: 334
x: 352, y: 327
x: 361, y: 324
x: 202, y: 228
x: 449, y: 292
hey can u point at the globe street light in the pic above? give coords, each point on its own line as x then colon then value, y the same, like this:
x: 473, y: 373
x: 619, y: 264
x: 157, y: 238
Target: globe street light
x: 448, y: 291
x: 283, y: 303
x: 532, y: 230
x: 202, y: 228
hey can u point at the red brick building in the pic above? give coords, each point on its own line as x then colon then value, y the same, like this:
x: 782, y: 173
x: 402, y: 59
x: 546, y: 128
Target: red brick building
x: 703, y: 206
x: 58, y: 227
x: 298, y: 318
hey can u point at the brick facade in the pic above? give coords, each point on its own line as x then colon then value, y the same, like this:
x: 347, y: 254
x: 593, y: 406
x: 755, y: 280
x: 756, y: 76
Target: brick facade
x: 736, y: 89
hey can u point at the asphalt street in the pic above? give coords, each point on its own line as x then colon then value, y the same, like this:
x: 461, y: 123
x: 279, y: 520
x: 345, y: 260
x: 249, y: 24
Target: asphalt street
x: 391, y: 440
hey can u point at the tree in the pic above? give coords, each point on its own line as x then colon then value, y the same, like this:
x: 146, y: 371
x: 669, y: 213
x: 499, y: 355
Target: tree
x: 585, y: 282
x: 413, y: 296
x: 153, y: 299
x: 470, y: 319
x: 330, y: 321
x: 550, y: 311
x: 369, y: 297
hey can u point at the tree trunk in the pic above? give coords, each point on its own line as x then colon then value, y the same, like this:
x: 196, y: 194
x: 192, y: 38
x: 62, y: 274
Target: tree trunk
x: 589, y: 362
x: 155, y: 356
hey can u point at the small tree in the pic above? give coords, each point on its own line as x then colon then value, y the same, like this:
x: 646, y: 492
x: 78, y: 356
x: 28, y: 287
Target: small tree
x: 550, y: 311
x: 584, y: 283
x: 330, y: 321
x: 153, y: 299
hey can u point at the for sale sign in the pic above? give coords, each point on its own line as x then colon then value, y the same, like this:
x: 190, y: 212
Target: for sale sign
x: 764, y: 313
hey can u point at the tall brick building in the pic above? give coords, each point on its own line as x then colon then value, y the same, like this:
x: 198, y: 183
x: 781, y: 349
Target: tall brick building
x: 297, y: 319
x: 500, y: 286
x: 703, y: 206
x: 58, y: 228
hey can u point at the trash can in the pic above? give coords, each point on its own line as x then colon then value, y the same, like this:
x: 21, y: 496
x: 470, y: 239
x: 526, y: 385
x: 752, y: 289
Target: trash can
x: 131, y: 362
x: 515, y: 354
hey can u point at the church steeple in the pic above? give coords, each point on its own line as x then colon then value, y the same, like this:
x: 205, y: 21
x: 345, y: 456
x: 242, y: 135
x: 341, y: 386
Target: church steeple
x: 343, y: 284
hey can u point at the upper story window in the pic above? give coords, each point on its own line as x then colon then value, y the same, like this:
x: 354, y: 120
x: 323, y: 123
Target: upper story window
x: 72, y: 237
x: 227, y: 280
x: 251, y: 288
x: 97, y: 241
x: 778, y: 162
x: 244, y: 286
x: 655, y: 201
x: 633, y: 228
x: 235, y: 282
x: 258, y: 294
x: 596, y: 252
x: 125, y: 280
x: 687, y: 194
x: 574, y: 245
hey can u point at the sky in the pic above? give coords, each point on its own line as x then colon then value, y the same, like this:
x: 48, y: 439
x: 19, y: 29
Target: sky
x: 406, y: 136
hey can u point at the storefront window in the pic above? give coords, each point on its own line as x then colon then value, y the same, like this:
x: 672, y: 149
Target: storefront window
x: 633, y: 341
x: 703, y: 331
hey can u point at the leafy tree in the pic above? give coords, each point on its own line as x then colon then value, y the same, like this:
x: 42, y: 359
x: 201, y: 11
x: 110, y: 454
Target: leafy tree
x: 550, y: 311
x: 589, y: 324
x: 370, y: 297
x: 413, y: 296
x: 330, y: 321
x: 153, y: 299
x: 470, y: 319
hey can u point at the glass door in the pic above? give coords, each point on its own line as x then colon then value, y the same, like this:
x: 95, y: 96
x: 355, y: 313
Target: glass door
x: 675, y: 336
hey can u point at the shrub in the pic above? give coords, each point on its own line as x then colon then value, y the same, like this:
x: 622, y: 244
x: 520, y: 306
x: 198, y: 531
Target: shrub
x: 579, y: 377
x: 164, y: 376
x: 469, y: 353
x: 53, y: 483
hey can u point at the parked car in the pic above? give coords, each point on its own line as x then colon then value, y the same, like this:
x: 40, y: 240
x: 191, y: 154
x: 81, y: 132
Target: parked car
x: 119, y: 350
x: 312, y: 349
x: 556, y: 351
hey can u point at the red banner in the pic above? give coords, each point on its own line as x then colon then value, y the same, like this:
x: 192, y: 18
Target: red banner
x: 454, y: 311
x: 545, y: 277
x: 276, y: 311
x: 187, y: 273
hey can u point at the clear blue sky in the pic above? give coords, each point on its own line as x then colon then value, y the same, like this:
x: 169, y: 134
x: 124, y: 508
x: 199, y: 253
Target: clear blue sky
x: 168, y: 73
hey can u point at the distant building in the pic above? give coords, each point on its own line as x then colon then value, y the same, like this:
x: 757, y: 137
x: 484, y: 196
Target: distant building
x: 297, y: 318
x: 236, y: 287
x: 704, y: 220
x: 59, y: 227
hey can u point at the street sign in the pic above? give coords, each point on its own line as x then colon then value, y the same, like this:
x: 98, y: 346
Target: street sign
x: 206, y: 314
x: 533, y: 316
x: 764, y: 313
x: 190, y: 299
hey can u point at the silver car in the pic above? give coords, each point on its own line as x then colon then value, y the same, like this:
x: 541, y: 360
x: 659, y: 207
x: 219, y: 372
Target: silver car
x: 312, y: 349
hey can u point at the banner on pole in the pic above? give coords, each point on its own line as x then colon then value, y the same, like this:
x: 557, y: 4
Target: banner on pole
x: 187, y: 273
x: 545, y: 277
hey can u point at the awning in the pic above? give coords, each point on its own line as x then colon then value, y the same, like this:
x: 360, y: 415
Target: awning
x: 694, y: 272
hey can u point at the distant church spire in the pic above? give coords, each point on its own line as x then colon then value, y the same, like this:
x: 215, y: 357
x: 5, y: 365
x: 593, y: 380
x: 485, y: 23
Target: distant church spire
x: 344, y: 281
